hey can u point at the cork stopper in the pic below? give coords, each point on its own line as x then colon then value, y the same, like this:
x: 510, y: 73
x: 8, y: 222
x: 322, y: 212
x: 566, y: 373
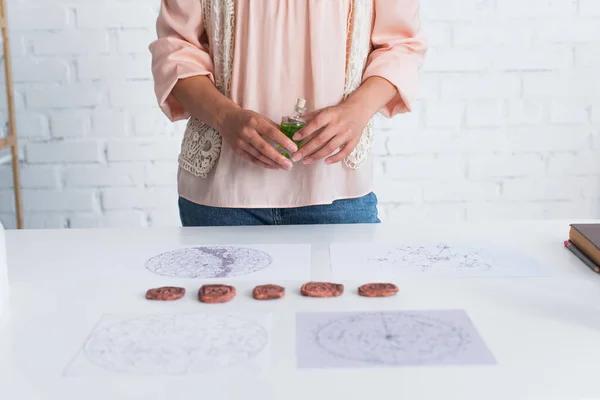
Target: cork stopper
x: 300, y: 103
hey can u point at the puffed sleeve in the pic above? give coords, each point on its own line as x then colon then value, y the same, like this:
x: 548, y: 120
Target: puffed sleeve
x: 399, y: 48
x: 179, y: 52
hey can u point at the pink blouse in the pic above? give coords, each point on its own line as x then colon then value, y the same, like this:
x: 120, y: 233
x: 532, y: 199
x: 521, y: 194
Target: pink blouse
x: 285, y: 49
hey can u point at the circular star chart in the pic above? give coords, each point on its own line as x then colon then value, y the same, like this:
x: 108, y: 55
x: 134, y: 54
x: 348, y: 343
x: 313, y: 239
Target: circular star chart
x: 207, y: 262
x: 436, y: 258
x: 391, y: 338
x: 175, y: 344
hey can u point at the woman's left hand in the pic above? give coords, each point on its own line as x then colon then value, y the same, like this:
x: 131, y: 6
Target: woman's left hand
x: 340, y: 126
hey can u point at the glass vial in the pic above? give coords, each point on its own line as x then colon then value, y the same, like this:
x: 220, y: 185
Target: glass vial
x: 292, y: 124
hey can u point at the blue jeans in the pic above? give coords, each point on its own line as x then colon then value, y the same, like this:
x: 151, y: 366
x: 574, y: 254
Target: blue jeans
x: 362, y: 210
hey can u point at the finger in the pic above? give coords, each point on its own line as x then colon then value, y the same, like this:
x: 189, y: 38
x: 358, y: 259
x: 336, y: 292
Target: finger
x: 269, y: 151
x: 249, y: 157
x: 345, y: 152
x: 310, y: 116
x: 318, y: 122
x: 265, y: 128
x: 315, y: 143
x: 256, y: 154
x: 334, y: 144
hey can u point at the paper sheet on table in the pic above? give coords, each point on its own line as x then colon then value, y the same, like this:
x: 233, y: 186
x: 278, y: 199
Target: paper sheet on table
x: 379, y: 261
x: 265, y: 263
x: 175, y: 345
x: 388, y: 339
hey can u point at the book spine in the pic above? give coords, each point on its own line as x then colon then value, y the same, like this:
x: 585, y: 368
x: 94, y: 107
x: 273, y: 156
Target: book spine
x: 569, y: 245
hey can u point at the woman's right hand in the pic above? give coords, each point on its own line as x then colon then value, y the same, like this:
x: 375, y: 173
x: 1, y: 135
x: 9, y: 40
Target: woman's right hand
x: 245, y: 130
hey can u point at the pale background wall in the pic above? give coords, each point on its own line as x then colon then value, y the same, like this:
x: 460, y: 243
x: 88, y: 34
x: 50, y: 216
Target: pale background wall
x: 507, y: 126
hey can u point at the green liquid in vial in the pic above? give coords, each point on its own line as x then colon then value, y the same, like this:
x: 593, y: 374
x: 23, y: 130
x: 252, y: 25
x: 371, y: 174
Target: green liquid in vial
x: 289, y: 130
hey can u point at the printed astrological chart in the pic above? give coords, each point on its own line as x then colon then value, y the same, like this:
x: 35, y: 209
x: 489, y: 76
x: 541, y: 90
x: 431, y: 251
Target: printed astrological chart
x: 393, y: 261
x: 388, y: 339
x: 239, y: 262
x: 174, y: 345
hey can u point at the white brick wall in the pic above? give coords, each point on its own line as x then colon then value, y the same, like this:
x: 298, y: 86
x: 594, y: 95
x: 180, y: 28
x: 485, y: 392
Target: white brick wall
x: 507, y: 122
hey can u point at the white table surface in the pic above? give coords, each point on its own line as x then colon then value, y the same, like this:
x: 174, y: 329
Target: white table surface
x: 544, y: 332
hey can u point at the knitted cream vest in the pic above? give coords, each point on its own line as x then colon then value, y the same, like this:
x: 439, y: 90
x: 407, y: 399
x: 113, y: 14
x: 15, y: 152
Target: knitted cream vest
x: 201, y: 144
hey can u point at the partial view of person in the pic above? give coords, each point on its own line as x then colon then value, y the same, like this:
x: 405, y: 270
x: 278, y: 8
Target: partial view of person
x: 235, y: 68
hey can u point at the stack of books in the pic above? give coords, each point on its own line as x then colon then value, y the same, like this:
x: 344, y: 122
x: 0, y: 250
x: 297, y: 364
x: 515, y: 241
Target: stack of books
x: 584, y: 242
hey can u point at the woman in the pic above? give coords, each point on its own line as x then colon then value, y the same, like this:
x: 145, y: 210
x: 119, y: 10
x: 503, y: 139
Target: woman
x: 236, y: 67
